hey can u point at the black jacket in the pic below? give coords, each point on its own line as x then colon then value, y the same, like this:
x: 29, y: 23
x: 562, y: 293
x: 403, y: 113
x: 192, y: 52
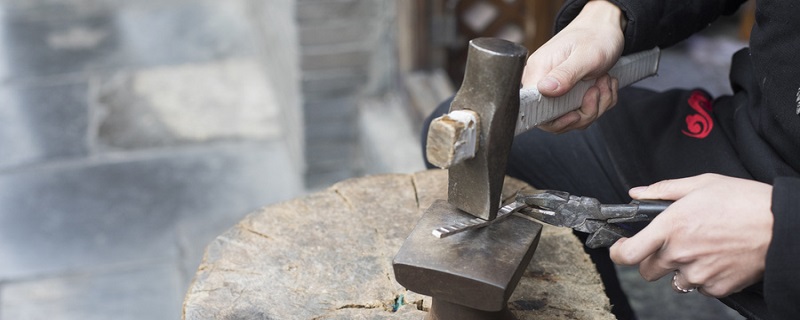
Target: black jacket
x: 764, y: 128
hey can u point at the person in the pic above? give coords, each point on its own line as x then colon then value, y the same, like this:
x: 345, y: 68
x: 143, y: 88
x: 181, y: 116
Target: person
x: 732, y: 164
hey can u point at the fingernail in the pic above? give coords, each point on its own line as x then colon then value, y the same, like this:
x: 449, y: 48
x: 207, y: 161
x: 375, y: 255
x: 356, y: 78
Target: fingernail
x: 636, y: 191
x: 548, y: 84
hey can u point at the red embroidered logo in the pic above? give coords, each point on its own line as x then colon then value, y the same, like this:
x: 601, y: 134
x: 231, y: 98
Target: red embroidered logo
x: 699, y: 125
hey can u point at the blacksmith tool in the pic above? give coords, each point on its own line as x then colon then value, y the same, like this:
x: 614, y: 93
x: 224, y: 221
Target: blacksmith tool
x: 471, y: 275
x: 452, y: 137
x: 605, y: 223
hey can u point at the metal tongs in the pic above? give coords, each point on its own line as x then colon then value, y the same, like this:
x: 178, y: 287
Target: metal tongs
x: 603, y: 222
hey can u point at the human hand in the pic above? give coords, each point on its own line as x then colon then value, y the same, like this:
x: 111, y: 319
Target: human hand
x: 715, y: 236
x: 584, y: 50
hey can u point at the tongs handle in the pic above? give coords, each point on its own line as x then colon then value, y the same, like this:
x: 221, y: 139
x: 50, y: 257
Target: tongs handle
x: 643, y: 210
x: 609, y: 233
x: 651, y: 208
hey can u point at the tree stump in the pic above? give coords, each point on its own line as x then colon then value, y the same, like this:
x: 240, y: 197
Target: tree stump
x: 329, y: 256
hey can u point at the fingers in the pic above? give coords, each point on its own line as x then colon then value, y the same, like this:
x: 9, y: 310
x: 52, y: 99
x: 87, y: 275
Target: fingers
x: 672, y: 189
x: 614, y: 92
x: 716, y: 245
x: 644, y: 244
x: 562, y: 124
x: 578, y: 119
x: 598, y: 99
x: 655, y: 266
x: 596, y: 103
x: 680, y: 285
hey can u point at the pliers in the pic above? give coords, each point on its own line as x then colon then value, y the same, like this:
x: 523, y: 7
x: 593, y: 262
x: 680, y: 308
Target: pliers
x: 603, y: 222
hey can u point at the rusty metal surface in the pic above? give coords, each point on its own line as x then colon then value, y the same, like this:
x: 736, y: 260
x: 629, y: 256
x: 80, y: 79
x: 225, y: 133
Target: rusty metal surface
x: 478, y: 269
x: 490, y: 88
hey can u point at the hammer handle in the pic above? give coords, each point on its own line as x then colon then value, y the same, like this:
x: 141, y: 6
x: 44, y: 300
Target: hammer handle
x: 535, y: 109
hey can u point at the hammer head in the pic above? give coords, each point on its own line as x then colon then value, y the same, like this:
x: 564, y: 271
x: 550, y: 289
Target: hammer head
x: 491, y: 89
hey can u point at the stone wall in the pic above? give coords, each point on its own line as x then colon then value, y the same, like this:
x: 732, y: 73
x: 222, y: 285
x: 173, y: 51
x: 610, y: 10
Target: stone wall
x: 281, y: 56
x: 346, y: 53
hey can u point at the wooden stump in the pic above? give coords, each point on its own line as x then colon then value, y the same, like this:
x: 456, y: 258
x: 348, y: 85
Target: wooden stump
x: 328, y: 256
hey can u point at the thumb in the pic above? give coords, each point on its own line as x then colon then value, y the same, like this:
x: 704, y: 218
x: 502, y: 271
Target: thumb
x: 563, y: 77
x: 667, y: 189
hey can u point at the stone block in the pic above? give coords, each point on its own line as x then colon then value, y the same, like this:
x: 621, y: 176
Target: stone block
x: 333, y: 83
x: 331, y: 154
x: 43, y: 123
x: 336, y: 59
x: 350, y: 33
x: 179, y: 105
x: 326, y: 131
x: 339, y: 109
x: 278, y: 26
x: 312, y: 12
x: 58, y: 38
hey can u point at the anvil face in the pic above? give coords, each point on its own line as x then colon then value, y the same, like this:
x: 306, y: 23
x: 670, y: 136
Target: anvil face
x: 477, y: 269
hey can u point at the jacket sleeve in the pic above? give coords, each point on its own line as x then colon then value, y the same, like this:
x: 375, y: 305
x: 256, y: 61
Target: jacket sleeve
x: 661, y: 23
x: 781, y: 277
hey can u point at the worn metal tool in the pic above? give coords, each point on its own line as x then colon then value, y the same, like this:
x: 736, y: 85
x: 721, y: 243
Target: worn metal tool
x: 475, y: 223
x: 472, y: 275
x: 490, y: 90
x: 453, y: 139
x: 605, y: 223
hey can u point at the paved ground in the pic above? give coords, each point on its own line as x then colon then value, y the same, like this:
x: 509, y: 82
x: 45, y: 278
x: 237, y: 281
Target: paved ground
x: 120, y: 160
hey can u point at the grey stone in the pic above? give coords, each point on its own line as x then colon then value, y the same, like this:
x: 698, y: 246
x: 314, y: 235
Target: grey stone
x: 319, y: 60
x: 333, y: 83
x: 330, y: 155
x: 398, y: 150
x: 311, y: 12
x: 151, y: 292
x: 280, y: 50
x: 331, y: 121
x: 328, y: 256
x: 127, y: 209
x: 348, y: 34
x: 176, y: 105
x: 59, y: 38
x: 340, y: 109
x: 43, y: 123
x: 329, y: 130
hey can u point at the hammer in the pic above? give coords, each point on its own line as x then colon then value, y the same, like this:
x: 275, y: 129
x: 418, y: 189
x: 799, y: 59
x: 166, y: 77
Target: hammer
x: 474, y: 139
x: 472, y: 275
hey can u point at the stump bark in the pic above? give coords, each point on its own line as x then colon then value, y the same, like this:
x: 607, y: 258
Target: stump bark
x: 328, y: 256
